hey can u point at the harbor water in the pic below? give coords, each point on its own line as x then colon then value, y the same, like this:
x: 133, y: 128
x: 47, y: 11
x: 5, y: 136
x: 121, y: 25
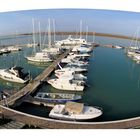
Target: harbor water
x: 113, y: 79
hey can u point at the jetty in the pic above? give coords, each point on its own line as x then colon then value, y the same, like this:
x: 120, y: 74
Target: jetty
x: 13, y: 125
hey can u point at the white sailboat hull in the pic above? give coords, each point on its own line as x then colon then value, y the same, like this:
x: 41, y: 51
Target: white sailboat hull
x: 33, y: 59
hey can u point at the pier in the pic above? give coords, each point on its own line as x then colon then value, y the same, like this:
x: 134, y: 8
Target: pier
x: 34, y: 84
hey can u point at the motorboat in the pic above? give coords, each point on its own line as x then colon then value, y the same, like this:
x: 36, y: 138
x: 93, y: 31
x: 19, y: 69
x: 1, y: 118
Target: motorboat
x: 85, y: 49
x: 130, y: 53
x: 118, y: 47
x: 52, y: 50
x: 75, y: 112
x: 57, y: 97
x: 14, y: 48
x: 70, y: 42
x: 40, y: 57
x: 4, y: 50
x: 75, y: 69
x: 14, y: 74
x: 78, y: 64
x: 75, y: 76
x: 67, y: 83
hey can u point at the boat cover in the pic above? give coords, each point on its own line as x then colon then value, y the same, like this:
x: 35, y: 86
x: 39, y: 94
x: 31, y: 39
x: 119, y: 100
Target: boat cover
x: 74, y: 108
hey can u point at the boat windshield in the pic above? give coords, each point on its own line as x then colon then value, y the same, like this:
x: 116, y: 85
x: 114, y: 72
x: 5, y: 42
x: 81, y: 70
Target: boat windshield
x: 10, y: 72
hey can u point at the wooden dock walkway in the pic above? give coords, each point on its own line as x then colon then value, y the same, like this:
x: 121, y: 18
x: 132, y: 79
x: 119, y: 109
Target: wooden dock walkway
x: 35, y: 83
x: 12, y: 125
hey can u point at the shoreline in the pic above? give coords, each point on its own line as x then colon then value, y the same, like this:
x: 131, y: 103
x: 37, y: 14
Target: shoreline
x: 77, y: 34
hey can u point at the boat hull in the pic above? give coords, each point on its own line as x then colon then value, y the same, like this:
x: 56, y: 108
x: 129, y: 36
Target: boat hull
x: 38, y: 60
x: 66, y: 86
x: 11, y: 78
x: 75, y: 117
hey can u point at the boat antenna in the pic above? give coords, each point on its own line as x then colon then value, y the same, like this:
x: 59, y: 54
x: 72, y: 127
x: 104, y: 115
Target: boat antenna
x: 93, y: 37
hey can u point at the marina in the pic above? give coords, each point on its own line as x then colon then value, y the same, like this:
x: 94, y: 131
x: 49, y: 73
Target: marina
x: 69, y: 68
x: 89, y: 95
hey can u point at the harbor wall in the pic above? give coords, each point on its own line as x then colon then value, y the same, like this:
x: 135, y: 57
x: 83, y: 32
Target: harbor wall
x: 59, y: 124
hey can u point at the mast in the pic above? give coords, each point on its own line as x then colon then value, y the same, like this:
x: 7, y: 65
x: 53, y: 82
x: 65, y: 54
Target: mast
x: 86, y: 32
x: 80, y: 28
x: 49, y: 33
x: 16, y: 38
x: 93, y: 37
x: 134, y: 39
x: 33, y: 35
x: 39, y: 35
x: 54, y: 29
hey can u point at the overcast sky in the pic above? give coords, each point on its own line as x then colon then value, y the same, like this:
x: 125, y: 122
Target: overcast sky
x: 105, y: 21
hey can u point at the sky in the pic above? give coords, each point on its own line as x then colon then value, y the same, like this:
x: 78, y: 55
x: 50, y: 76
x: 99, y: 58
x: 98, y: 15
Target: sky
x: 104, y: 21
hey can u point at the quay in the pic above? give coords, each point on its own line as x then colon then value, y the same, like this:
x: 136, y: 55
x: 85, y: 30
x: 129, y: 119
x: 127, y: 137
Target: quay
x: 34, y: 84
x: 44, y: 123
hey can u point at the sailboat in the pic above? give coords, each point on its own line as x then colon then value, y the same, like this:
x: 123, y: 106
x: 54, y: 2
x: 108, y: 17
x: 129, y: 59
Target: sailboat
x: 15, y: 47
x: 39, y: 56
x: 132, y: 48
x: 51, y: 49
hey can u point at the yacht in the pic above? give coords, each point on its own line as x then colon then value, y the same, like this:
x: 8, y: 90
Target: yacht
x: 14, y: 48
x: 70, y: 42
x: 52, y: 50
x: 75, y: 69
x: 78, y: 64
x: 118, y: 47
x: 75, y: 112
x: 57, y: 97
x: 4, y: 50
x: 14, y: 74
x: 67, y: 83
x: 74, y: 58
x: 71, y: 74
x: 40, y: 57
x: 85, y: 49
